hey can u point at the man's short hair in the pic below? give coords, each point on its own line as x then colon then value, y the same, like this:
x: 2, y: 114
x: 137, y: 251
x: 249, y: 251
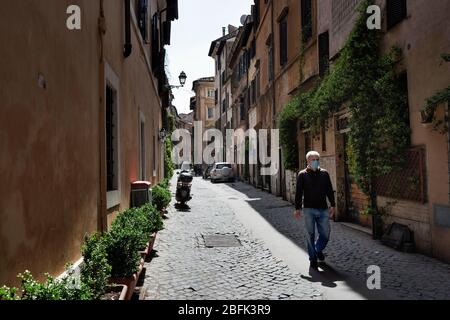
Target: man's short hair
x: 312, y: 154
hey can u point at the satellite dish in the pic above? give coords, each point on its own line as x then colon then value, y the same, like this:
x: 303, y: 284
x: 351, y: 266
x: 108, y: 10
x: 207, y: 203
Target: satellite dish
x: 243, y: 18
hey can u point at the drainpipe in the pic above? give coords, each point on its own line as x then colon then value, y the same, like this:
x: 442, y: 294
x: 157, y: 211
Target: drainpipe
x: 128, y: 46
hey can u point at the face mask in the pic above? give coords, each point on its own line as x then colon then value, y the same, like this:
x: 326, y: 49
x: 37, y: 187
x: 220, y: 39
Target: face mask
x: 315, y: 165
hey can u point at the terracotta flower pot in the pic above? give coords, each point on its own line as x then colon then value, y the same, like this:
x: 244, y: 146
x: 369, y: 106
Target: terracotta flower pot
x: 117, y: 291
x: 149, y: 247
x: 130, y: 282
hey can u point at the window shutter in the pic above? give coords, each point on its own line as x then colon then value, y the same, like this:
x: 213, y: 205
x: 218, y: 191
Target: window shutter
x: 324, y: 53
x: 396, y: 12
x: 283, y: 42
x: 306, y: 14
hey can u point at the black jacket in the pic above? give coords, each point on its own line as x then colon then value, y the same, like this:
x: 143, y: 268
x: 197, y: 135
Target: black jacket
x: 314, y: 187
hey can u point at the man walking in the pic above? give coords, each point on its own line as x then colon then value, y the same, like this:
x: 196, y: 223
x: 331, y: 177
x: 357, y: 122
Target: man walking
x: 313, y: 188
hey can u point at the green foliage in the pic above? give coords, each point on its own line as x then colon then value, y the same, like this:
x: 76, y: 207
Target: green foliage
x: 51, y: 289
x: 164, y: 184
x: 7, y: 293
x: 430, y: 109
x: 122, y: 245
x: 445, y: 57
x: 168, y: 163
x: 161, y: 197
x: 153, y: 217
x: 95, y: 269
x: 366, y: 83
x: 115, y: 254
x: 129, y: 234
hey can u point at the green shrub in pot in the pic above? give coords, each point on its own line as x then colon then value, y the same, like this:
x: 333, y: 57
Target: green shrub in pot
x: 122, y: 245
x: 134, y: 219
x: 161, y: 197
x: 154, y: 219
x: 95, y: 269
x: 164, y: 184
x: 51, y: 288
x: 7, y: 293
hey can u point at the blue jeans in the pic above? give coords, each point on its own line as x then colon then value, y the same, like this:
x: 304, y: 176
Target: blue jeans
x: 320, y: 218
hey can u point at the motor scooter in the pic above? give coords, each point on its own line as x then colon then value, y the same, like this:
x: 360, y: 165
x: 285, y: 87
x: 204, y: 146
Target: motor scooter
x: 184, y: 184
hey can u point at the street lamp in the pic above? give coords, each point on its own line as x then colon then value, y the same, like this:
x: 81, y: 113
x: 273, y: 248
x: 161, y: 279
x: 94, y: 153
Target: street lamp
x: 182, y: 77
x: 162, y: 134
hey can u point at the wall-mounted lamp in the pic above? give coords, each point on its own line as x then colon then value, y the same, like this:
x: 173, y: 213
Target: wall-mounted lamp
x: 162, y: 134
x: 182, y: 77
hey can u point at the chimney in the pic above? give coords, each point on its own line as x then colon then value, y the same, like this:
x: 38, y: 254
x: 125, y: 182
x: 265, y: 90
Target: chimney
x: 224, y: 31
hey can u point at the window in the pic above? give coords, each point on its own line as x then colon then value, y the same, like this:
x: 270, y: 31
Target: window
x: 111, y: 140
x: 253, y: 92
x: 323, y: 134
x: 306, y: 14
x: 155, y: 42
x: 142, y: 17
x: 283, y: 42
x: 270, y: 59
x: 255, y: 14
x: 142, y: 172
x: 242, y: 108
x: 324, y: 53
x: 154, y: 155
x: 210, y: 113
x: 396, y: 12
x: 216, y: 96
x: 211, y: 93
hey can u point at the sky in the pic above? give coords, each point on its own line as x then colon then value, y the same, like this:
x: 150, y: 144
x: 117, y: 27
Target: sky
x: 200, y: 22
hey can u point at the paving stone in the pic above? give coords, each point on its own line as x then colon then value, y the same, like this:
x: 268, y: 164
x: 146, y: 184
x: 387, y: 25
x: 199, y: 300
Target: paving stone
x: 184, y: 261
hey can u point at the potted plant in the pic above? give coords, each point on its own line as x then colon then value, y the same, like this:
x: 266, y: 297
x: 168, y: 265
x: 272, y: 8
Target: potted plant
x: 161, y: 198
x: 122, y: 248
x: 95, y: 271
x: 50, y: 289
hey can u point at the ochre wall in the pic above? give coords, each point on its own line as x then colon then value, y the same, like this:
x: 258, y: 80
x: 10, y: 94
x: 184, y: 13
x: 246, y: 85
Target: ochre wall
x: 49, y: 137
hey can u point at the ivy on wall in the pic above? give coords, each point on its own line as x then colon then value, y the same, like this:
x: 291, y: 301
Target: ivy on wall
x: 367, y: 84
x: 429, y: 110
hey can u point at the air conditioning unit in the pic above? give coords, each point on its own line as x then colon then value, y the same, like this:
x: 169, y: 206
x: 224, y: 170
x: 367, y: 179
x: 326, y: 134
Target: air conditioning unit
x: 141, y: 194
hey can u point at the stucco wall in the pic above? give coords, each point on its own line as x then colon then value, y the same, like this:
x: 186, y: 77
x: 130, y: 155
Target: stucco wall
x: 48, y: 139
x: 51, y: 138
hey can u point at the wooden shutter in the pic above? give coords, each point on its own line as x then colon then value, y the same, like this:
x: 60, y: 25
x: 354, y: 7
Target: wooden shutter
x: 283, y: 42
x: 324, y: 53
x: 306, y: 14
x: 396, y: 12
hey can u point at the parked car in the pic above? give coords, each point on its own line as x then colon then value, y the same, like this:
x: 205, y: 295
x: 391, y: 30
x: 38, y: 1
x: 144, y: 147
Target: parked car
x: 222, y: 171
x: 207, y: 172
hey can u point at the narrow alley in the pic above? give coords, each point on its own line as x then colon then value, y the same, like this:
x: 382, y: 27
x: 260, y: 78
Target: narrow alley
x: 270, y: 260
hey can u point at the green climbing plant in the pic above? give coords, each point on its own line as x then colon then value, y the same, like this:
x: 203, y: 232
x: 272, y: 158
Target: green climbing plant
x: 366, y: 83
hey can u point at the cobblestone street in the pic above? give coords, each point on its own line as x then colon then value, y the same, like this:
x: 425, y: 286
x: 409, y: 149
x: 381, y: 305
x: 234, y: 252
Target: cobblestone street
x: 271, y: 262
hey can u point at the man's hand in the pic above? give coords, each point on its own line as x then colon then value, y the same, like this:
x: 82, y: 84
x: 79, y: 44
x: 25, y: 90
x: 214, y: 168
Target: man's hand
x: 297, y: 214
x: 332, y: 212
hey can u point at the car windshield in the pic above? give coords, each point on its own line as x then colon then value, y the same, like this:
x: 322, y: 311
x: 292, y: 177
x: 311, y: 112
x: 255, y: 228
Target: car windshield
x: 186, y: 166
x: 223, y: 165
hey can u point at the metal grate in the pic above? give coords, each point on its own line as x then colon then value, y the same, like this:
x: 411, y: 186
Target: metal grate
x: 409, y: 183
x: 221, y: 240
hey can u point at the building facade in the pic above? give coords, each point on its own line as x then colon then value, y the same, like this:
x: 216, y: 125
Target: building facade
x: 83, y: 112
x: 296, y: 43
